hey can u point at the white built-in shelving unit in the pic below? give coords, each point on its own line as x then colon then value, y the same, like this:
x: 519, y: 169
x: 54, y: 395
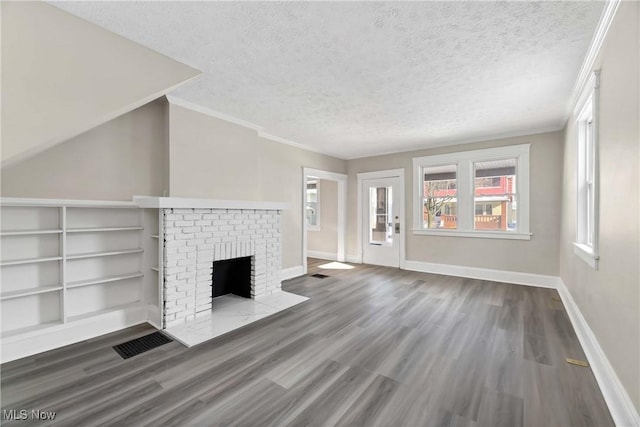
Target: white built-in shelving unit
x: 71, y: 270
x: 153, y: 247
x: 65, y: 264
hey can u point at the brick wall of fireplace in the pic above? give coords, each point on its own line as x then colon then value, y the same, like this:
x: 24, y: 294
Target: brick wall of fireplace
x: 195, y: 238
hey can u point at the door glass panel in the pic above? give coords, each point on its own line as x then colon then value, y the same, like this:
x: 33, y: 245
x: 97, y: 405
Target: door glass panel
x: 380, y: 216
x: 312, y: 203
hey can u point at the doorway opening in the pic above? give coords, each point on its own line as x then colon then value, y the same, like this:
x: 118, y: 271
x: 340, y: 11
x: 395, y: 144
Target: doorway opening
x: 324, y: 213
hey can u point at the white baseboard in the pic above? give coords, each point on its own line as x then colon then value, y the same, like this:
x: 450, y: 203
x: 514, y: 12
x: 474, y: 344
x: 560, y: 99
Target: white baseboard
x: 354, y: 259
x: 291, y: 272
x: 618, y: 401
x: 330, y: 256
x: 46, y: 339
x: 154, y: 317
x: 620, y: 404
x: 515, y: 277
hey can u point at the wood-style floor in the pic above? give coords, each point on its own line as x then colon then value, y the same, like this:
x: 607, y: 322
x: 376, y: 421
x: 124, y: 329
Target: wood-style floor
x: 373, y: 346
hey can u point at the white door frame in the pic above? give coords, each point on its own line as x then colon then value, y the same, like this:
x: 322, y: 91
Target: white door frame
x: 342, y: 209
x: 391, y: 173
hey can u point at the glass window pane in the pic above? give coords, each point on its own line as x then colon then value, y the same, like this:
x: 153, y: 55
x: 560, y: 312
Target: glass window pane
x: 439, y: 197
x: 495, y: 195
x: 312, y: 203
x: 380, y: 215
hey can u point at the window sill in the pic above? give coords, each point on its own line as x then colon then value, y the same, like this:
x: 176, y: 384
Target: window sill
x: 586, y: 254
x: 507, y: 235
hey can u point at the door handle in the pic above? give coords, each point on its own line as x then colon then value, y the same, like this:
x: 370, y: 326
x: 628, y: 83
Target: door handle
x: 397, y: 228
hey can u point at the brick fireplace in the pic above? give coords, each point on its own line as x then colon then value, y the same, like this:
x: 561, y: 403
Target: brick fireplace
x: 195, y: 233
x: 196, y: 237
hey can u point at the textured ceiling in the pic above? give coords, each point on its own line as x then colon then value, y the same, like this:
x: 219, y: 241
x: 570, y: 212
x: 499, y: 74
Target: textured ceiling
x: 361, y: 78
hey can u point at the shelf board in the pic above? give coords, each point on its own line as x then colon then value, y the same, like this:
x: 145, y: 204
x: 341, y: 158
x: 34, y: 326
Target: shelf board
x: 56, y: 203
x: 101, y: 229
x: 154, y: 269
x: 33, y: 328
x: 30, y: 261
x: 105, y: 311
x: 105, y: 279
x: 28, y: 232
x: 31, y: 291
x: 103, y: 254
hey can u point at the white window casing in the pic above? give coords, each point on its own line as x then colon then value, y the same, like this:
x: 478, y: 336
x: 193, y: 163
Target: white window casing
x: 465, y: 161
x: 587, y: 173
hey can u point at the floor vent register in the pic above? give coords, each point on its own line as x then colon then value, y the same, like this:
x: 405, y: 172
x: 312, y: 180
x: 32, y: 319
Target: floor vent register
x: 141, y: 345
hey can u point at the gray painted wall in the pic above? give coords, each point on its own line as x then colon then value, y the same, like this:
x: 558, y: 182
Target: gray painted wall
x: 609, y: 298
x: 326, y: 240
x: 211, y: 158
x: 538, y: 255
x: 62, y: 76
x: 114, y: 161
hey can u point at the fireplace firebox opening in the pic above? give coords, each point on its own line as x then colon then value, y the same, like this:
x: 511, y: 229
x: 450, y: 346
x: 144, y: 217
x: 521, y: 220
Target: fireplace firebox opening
x: 232, y: 276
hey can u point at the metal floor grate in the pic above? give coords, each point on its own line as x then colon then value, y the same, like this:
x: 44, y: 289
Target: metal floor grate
x: 140, y: 345
x: 319, y: 276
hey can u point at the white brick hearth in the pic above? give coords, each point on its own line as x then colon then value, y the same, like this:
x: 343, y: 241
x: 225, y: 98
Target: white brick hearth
x: 196, y: 237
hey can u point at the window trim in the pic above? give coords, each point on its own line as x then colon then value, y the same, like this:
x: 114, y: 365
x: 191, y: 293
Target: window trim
x: 587, y: 108
x: 465, y: 161
x: 318, y: 224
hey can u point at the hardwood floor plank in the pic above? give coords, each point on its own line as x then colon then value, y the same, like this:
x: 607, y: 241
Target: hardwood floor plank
x: 500, y: 410
x: 302, y: 394
x: 331, y: 405
x: 366, y: 410
x: 139, y: 367
x: 66, y: 353
x: 505, y: 373
x: 536, y: 349
x: 374, y: 346
x: 231, y: 412
x: 99, y: 410
x: 158, y: 405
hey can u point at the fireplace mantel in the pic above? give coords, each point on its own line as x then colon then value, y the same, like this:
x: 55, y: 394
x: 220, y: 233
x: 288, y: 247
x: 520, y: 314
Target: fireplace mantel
x: 179, y: 202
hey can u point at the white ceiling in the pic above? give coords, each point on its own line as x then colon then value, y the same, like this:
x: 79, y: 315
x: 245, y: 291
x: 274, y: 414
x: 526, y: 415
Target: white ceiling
x: 355, y: 79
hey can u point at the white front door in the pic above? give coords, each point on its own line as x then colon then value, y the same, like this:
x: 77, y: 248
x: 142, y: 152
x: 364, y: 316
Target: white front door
x: 381, y: 221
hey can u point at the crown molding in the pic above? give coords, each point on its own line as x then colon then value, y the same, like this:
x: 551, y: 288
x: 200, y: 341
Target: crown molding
x: 240, y: 122
x: 450, y: 143
x: 275, y: 138
x: 426, y: 146
x: 608, y: 13
x: 181, y: 102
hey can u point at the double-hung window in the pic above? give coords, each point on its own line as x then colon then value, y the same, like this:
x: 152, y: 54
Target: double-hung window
x: 586, y: 128
x: 479, y: 193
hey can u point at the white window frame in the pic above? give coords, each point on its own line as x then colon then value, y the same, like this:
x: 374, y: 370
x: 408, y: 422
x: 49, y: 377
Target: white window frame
x: 465, y: 161
x: 317, y: 225
x: 587, y: 173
